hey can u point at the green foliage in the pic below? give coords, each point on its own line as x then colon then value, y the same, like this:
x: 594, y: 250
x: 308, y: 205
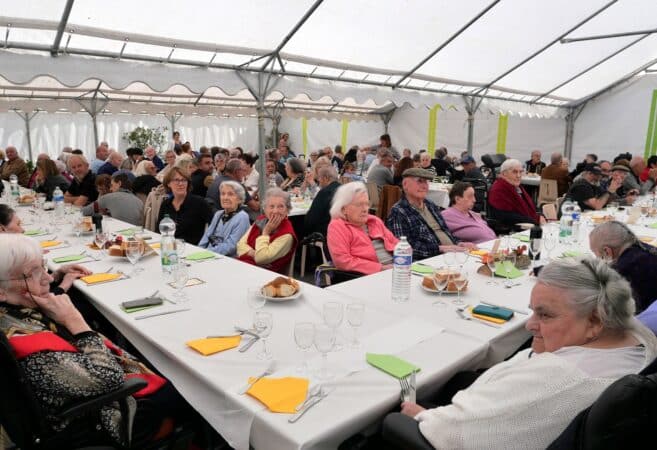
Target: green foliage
x: 142, y: 137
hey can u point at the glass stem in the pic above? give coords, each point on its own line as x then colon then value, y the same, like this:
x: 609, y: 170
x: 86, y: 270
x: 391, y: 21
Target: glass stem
x: 264, y: 346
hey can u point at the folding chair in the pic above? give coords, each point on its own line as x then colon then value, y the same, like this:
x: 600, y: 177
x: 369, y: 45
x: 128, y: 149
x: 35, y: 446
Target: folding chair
x: 547, y: 192
x: 373, y: 193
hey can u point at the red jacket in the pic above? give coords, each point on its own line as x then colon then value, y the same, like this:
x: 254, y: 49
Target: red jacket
x: 503, y: 197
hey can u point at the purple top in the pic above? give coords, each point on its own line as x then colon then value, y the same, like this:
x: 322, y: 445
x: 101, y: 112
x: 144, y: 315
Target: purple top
x: 469, y: 227
x: 649, y: 317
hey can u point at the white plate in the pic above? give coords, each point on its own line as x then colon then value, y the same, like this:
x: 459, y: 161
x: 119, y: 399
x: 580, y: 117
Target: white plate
x: 435, y: 291
x: 282, y: 299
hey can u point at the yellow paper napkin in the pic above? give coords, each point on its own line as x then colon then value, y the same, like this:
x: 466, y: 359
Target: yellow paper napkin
x: 210, y: 346
x: 155, y: 245
x: 100, y: 277
x: 46, y: 244
x: 280, y: 395
x: 487, y: 318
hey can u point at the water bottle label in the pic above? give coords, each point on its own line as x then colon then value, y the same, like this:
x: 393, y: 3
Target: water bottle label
x: 402, y: 260
x: 576, y: 216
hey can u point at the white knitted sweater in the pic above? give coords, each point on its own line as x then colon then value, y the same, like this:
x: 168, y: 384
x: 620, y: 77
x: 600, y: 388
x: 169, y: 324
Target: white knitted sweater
x: 523, y: 403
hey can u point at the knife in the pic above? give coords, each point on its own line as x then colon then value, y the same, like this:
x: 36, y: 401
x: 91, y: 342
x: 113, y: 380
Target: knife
x: 248, y: 345
x: 308, y: 405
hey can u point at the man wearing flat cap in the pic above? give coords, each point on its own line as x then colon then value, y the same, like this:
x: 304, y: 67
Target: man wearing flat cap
x: 586, y: 192
x: 419, y: 219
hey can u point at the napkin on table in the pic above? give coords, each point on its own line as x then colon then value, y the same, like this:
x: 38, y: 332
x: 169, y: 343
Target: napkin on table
x: 210, y: 346
x: 280, y: 395
x: 198, y: 256
x: 521, y: 237
x: 421, y: 269
x: 501, y: 272
x: 101, y: 277
x: 391, y: 365
x: 69, y: 258
x: 47, y: 244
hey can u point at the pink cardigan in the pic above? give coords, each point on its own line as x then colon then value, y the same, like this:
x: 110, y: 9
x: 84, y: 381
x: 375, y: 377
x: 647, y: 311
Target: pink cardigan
x: 352, y: 249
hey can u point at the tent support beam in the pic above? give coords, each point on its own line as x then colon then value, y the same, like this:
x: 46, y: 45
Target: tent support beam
x: 386, y: 117
x: 573, y: 114
x: 92, y: 103
x: 27, y: 117
x: 542, y: 49
x: 446, y: 43
x: 173, y: 120
x: 472, y: 104
x: 607, y: 36
x: 61, y: 27
x: 591, y: 67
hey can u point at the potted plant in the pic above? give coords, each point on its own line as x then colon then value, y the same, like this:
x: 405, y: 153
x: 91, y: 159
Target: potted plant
x: 142, y: 137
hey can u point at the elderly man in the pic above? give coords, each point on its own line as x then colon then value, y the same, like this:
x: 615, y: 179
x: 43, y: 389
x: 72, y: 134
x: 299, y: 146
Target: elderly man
x: 318, y: 217
x: 634, y: 260
x: 82, y: 190
x: 470, y: 169
x: 102, y: 153
x: 381, y: 174
x: 556, y: 171
x: 419, y: 219
x: 151, y: 155
x: 620, y: 172
x: 425, y: 163
x: 234, y: 171
x: 114, y: 161
x: 586, y: 192
x: 637, y: 166
x: 508, y: 200
x: 535, y: 165
x: 121, y: 203
x: 15, y: 166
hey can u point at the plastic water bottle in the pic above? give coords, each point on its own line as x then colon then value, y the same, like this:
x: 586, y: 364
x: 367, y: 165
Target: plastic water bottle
x: 14, y: 189
x: 168, y: 254
x: 58, y: 200
x: 577, y: 220
x: 401, y: 271
x: 566, y: 222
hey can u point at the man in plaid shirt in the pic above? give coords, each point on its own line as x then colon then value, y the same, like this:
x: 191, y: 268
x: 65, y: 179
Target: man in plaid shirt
x: 419, y: 219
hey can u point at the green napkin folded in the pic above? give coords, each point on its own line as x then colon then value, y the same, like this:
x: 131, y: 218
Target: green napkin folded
x: 199, y: 256
x: 69, y: 258
x: 571, y: 254
x: 391, y: 365
x: 520, y: 237
x: 138, y: 308
x: 501, y: 272
x: 653, y: 225
x: 33, y: 232
x: 421, y: 269
x: 128, y: 232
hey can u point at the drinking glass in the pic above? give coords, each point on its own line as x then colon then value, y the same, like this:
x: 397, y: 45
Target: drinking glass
x: 535, y: 248
x: 180, y: 249
x: 460, y: 281
x: 549, y: 242
x: 263, y: 323
x: 255, y: 299
x: 450, y: 259
x: 180, y: 279
x: 509, y: 263
x: 101, y: 239
x: 333, y: 313
x: 612, y: 208
x: 324, y: 342
x: 491, y: 262
x: 134, y: 251
x: 355, y: 313
x: 440, y: 281
x: 304, y: 335
x: 461, y: 258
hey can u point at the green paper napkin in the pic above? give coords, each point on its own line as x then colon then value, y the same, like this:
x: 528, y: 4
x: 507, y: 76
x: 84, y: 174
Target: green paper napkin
x: 501, y: 272
x: 421, y: 269
x: 138, y: 308
x: 653, y: 225
x: 571, y: 254
x: 128, y: 232
x: 521, y: 237
x: 33, y: 232
x: 69, y: 258
x: 198, y: 256
x: 391, y: 365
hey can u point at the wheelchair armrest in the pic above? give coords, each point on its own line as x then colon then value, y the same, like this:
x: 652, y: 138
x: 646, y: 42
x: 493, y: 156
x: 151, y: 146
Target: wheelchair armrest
x: 129, y: 387
x: 312, y: 238
x: 404, y: 432
x: 340, y: 276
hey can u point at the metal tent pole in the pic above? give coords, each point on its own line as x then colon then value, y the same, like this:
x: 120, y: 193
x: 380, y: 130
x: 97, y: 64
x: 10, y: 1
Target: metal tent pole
x: 573, y: 114
x: 27, y: 117
x: 471, y: 107
x: 93, y: 102
x: 386, y: 117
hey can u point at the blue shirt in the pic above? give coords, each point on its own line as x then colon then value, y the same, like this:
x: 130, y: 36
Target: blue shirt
x: 222, y: 237
x: 96, y: 164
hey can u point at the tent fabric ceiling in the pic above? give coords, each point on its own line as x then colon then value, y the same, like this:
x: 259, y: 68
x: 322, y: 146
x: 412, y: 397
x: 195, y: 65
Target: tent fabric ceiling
x: 505, y: 50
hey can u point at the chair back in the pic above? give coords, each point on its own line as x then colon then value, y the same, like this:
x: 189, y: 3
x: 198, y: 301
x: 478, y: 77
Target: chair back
x: 547, y: 191
x: 481, y: 194
x: 373, y: 193
x: 152, y: 208
x: 550, y: 211
x: 390, y: 195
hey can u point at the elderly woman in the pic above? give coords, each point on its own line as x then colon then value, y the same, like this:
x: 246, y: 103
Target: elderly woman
x: 464, y: 223
x: 190, y: 212
x: 48, y: 178
x: 509, y: 201
x: 228, y: 224
x: 357, y: 240
x: 270, y: 242
x: 145, y: 167
x: 294, y: 169
x: 585, y: 337
x: 170, y: 160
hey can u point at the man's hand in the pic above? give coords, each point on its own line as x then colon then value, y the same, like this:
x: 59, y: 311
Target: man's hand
x: 613, y: 185
x: 411, y: 409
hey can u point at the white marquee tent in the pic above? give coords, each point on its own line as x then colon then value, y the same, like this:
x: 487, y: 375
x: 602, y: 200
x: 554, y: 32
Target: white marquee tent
x: 503, y: 75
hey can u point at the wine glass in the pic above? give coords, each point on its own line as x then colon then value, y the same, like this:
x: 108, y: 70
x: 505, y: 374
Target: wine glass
x: 549, y: 242
x: 304, y: 335
x: 324, y: 342
x: 263, y: 323
x: 134, y: 251
x: 535, y: 249
x: 180, y: 279
x: 450, y: 259
x: 509, y: 264
x: 491, y: 261
x: 101, y: 238
x: 440, y: 281
x: 460, y: 281
x: 355, y: 313
x: 461, y: 258
x: 255, y: 299
x: 333, y: 313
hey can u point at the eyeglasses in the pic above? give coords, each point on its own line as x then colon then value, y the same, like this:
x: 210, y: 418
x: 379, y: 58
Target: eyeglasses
x: 35, y: 275
x: 179, y: 181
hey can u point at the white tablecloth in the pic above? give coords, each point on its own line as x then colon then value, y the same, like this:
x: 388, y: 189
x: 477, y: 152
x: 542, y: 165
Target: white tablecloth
x: 439, y: 194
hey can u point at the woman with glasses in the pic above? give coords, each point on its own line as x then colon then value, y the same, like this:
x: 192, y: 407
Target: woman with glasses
x: 228, y: 224
x: 509, y: 201
x: 190, y: 212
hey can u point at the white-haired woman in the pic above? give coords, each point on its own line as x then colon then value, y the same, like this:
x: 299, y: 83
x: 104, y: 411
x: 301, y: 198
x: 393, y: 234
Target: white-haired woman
x: 170, y: 160
x: 357, y: 240
x: 145, y: 167
x: 509, y: 201
x: 585, y: 338
x: 271, y: 241
x: 229, y: 224
x: 63, y: 359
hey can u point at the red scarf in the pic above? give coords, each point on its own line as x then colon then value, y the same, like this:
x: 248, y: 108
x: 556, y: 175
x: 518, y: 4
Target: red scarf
x: 284, y: 228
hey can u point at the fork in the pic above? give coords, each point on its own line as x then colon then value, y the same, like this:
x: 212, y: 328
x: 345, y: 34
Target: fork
x: 405, y: 389
x: 268, y: 371
x: 474, y: 319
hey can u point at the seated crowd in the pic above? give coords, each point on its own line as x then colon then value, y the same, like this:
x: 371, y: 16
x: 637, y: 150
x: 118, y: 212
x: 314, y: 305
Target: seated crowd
x: 584, y: 331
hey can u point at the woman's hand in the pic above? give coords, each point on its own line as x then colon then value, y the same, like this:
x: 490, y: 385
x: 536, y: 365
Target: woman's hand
x: 411, y: 409
x: 272, y: 224
x: 451, y: 248
x: 68, y: 280
x: 74, y: 268
x: 468, y: 245
x: 60, y: 309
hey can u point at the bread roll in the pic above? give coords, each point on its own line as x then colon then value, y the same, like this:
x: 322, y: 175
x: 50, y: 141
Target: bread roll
x: 269, y: 291
x: 286, y: 290
x: 281, y: 287
x: 116, y: 250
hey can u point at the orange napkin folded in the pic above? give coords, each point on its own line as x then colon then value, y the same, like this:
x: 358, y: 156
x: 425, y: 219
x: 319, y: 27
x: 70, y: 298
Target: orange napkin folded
x: 487, y: 318
x: 46, y: 244
x: 101, y: 277
x: 280, y: 395
x: 155, y: 245
x: 210, y: 346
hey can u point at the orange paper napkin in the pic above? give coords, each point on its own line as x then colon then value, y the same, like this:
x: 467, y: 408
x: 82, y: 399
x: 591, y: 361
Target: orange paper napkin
x: 46, y: 244
x: 101, y: 277
x: 280, y: 395
x: 210, y: 346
